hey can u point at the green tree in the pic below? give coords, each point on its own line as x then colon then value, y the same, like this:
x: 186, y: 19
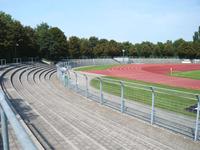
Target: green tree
x: 74, y: 47
x: 84, y: 48
x: 93, y: 41
x: 30, y: 47
x: 43, y: 39
x: 127, y: 46
x: 145, y: 49
x: 58, y: 45
x: 114, y: 49
x: 196, y: 47
x: 101, y: 49
x: 186, y: 50
x: 6, y: 35
x: 168, y: 49
x: 15, y: 39
x: 157, y: 51
x: 196, y: 36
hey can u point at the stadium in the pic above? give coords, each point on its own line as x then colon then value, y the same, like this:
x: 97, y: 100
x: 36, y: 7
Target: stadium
x: 119, y: 84
x: 153, y: 92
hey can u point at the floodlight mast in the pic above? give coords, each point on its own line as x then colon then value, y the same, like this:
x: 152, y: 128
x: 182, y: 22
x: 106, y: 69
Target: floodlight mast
x: 17, y: 45
x: 123, y: 54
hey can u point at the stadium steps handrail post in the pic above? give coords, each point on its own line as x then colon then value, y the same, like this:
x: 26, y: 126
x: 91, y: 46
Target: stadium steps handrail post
x: 101, y: 89
x: 197, y: 119
x: 3, y: 62
x: 122, y: 96
x: 8, y: 114
x: 86, y: 85
x: 76, y: 80
x: 153, y: 104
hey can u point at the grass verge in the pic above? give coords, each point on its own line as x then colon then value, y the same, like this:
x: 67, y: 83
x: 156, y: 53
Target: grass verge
x: 100, y: 67
x: 139, y: 91
x: 188, y: 74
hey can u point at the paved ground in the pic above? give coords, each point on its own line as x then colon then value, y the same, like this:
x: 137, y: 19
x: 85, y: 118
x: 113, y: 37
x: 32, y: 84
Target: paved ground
x: 154, y: 73
x: 61, y: 119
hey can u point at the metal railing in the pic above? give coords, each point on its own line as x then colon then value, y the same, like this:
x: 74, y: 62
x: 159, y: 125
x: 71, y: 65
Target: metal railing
x: 7, y: 115
x: 172, y: 109
x: 2, y: 62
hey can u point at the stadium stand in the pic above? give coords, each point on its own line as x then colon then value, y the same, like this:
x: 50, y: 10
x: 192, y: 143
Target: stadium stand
x: 61, y: 119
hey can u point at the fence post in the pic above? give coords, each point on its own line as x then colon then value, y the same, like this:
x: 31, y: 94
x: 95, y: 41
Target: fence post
x: 4, y: 130
x: 63, y: 78
x: 86, y: 84
x: 101, y: 90
x: 66, y: 80
x: 197, y: 119
x: 69, y: 77
x: 20, y: 60
x: 58, y: 72
x: 153, y: 105
x: 122, y: 96
x: 76, y: 81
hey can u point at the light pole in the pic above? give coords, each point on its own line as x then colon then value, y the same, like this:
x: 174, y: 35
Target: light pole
x: 123, y: 54
x: 16, y: 45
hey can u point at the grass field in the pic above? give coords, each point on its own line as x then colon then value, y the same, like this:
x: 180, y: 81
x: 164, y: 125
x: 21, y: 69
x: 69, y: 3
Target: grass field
x: 188, y: 74
x: 169, y: 100
x: 100, y: 67
x: 165, y: 97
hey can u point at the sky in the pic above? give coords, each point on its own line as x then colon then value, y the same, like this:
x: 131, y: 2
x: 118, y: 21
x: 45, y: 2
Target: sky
x: 121, y: 20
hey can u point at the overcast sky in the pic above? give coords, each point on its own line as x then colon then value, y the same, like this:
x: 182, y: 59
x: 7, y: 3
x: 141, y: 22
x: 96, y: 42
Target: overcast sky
x: 121, y: 20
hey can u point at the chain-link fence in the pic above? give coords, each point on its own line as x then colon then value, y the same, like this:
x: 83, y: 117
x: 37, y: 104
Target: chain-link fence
x: 172, y: 109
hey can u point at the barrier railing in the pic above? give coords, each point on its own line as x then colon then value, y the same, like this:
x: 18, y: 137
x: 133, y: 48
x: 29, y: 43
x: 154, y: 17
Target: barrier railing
x: 7, y: 115
x: 2, y: 62
x: 172, y: 109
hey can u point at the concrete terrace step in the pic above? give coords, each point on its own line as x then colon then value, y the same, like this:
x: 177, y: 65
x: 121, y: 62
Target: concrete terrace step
x: 96, y: 125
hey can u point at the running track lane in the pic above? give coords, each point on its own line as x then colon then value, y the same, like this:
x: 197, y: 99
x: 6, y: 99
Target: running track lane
x: 154, y: 73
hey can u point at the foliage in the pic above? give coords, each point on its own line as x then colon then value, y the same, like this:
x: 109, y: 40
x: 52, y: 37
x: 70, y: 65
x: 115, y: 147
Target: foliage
x: 15, y: 39
x: 196, y: 36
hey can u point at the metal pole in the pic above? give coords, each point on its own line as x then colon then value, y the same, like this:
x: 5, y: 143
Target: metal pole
x: 101, y: 90
x: 57, y: 72
x: 122, y: 96
x: 20, y: 132
x: 65, y: 80
x: 4, y: 130
x: 68, y: 76
x: 76, y: 80
x: 61, y: 77
x: 197, y: 119
x: 153, y: 105
x: 123, y: 55
x: 86, y: 84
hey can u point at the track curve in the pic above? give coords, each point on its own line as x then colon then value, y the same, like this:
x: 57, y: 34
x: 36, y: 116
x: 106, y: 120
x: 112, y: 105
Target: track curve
x: 154, y: 73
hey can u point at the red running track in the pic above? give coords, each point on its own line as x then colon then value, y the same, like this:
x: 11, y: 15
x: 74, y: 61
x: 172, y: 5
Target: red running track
x: 154, y: 73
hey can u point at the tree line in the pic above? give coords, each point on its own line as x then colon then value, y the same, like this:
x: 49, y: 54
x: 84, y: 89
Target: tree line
x: 44, y: 41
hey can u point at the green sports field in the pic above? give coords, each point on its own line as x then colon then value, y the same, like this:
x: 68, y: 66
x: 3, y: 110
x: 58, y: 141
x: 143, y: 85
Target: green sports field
x: 166, y: 97
x: 87, y: 68
x: 188, y: 74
